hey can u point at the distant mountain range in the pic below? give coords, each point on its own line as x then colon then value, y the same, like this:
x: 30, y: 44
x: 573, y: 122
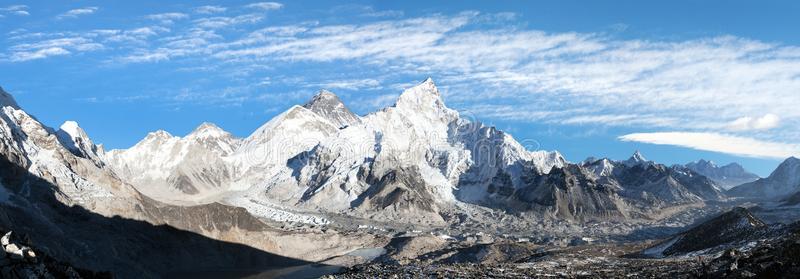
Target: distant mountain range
x: 727, y: 176
x: 416, y: 163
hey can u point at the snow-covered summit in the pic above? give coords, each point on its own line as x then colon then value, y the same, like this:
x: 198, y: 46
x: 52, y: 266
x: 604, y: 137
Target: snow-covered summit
x: 423, y: 97
x: 74, y: 138
x: 636, y: 159
x: 208, y: 130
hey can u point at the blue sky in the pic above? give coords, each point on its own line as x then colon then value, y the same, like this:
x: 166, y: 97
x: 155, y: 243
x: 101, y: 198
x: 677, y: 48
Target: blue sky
x: 680, y: 81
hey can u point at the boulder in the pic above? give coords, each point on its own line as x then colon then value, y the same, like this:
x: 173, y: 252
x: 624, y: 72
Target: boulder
x: 11, y: 248
x: 29, y: 254
x: 14, y: 252
x: 6, y: 239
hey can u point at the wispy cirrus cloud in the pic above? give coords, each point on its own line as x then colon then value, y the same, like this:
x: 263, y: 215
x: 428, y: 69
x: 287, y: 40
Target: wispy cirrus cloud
x: 52, y: 47
x: 167, y: 18
x: 722, y: 143
x: 486, y: 64
x: 209, y: 9
x: 74, y: 13
x: 18, y: 10
x: 348, y: 84
x: 266, y: 6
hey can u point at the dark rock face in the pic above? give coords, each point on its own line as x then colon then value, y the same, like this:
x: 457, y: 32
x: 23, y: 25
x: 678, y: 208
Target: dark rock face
x: 397, y: 190
x: 18, y: 260
x: 127, y: 248
x: 727, y: 176
x: 7, y: 100
x: 774, y: 258
x: 737, y: 225
x: 572, y: 194
x: 330, y: 107
x: 604, y: 189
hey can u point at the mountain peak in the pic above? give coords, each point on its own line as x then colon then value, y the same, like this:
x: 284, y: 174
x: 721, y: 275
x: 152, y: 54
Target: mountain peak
x: 329, y: 106
x: 73, y: 129
x: 636, y: 159
x: 423, y: 96
x: 208, y: 130
x: 788, y: 168
x: 160, y: 134
x: 74, y: 138
x: 322, y: 95
x: 6, y: 100
x: 637, y: 156
x: 707, y: 163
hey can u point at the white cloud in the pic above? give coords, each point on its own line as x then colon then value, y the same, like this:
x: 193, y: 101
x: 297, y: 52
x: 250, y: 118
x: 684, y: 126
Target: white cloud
x: 210, y: 9
x: 722, y: 143
x: 39, y: 54
x: 711, y: 84
x: 766, y: 122
x: 74, y: 13
x: 222, y: 22
x: 167, y: 18
x: 265, y: 6
x: 349, y: 84
x: 20, y: 10
x: 52, y: 47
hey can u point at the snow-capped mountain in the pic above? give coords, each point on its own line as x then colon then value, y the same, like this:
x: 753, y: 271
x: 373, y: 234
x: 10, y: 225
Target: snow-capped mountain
x: 66, y: 157
x: 410, y: 162
x: 178, y: 169
x: 406, y: 160
x: 636, y: 159
x: 81, y: 211
x: 727, y: 176
x: 403, y: 162
x: 783, y: 181
x: 417, y: 162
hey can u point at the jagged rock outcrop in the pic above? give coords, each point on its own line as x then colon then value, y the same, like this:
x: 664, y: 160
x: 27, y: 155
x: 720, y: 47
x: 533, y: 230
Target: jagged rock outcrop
x: 775, y: 257
x: 18, y: 260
